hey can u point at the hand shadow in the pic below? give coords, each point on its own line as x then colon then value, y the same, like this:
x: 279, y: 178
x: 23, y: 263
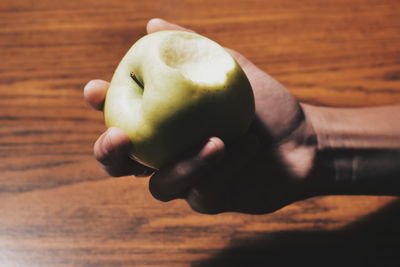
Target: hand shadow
x: 372, y: 241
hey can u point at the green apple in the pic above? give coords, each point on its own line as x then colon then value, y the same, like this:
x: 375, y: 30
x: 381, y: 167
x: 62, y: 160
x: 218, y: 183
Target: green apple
x: 173, y: 90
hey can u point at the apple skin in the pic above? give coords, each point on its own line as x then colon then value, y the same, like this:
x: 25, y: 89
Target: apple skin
x: 193, y: 89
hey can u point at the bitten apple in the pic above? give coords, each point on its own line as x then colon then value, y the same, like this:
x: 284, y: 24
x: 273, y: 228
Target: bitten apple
x: 173, y: 90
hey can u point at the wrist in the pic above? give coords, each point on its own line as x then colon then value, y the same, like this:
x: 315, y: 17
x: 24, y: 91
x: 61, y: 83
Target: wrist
x: 322, y: 177
x: 357, y: 151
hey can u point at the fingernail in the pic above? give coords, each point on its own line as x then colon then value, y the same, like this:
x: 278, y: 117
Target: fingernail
x: 158, y: 20
x: 88, y: 85
x: 212, y: 151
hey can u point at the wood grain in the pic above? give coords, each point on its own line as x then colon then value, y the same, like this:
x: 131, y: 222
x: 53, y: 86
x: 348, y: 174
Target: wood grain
x: 58, y: 208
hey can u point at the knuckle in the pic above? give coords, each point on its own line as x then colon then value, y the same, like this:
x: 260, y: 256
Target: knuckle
x: 200, y: 203
x: 183, y: 169
x: 156, y: 190
x: 102, y: 151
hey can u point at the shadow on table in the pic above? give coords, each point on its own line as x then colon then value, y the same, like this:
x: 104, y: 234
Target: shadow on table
x: 372, y: 241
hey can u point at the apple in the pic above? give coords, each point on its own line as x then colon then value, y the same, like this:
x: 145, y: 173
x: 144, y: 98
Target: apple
x: 174, y: 89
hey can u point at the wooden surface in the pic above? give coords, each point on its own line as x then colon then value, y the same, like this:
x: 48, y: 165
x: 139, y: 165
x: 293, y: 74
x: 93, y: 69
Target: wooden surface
x: 58, y: 208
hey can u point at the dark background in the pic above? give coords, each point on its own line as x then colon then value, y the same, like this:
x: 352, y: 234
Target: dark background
x: 57, y: 206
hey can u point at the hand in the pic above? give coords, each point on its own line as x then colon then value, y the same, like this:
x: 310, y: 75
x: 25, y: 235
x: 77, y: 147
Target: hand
x: 265, y: 170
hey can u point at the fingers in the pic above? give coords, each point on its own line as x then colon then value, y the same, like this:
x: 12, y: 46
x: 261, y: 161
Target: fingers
x: 206, y: 184
x: 156, y: 24
x: 213, y: 194
x: 173, y: 181
x: 112, y: 150
x: 95, y: 92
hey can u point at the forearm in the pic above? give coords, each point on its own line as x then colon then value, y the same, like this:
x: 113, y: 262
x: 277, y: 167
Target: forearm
x: 358, y: 149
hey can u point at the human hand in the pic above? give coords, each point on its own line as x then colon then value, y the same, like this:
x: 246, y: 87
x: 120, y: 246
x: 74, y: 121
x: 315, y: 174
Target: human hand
x: 265, y: 170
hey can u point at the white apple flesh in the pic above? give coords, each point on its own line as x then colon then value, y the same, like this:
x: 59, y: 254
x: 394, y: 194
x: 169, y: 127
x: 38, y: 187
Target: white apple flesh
x: 173, y: 90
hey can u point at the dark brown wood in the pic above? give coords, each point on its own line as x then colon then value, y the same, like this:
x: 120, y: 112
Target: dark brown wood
x: 58, y: 208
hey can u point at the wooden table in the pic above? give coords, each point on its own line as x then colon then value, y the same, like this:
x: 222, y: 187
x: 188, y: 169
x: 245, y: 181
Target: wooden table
x: 57, y: 206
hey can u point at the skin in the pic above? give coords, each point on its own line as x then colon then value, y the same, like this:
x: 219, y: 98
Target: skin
x: 292, y: 151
